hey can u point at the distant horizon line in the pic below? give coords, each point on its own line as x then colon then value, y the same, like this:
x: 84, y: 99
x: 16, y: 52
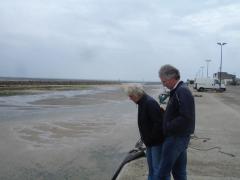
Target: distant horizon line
x: 12, y: 78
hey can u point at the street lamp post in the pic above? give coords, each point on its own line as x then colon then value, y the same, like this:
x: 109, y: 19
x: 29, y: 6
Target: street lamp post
x: 207, y: 60
x: 202, y: 70
x: 220, y: 78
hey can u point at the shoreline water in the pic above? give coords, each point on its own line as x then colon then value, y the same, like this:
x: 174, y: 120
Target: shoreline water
x: 66, y: 134
x: 36, y: 86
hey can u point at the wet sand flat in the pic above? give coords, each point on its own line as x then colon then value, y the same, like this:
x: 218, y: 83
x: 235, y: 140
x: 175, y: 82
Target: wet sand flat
x: 67, y: 135
x: 86, y: 136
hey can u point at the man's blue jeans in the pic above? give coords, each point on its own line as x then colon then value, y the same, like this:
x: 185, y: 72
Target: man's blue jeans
x: 153, y: 158
x: 174, y: 158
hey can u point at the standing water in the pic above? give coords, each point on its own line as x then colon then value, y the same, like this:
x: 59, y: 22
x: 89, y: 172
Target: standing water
x: 81, y: 134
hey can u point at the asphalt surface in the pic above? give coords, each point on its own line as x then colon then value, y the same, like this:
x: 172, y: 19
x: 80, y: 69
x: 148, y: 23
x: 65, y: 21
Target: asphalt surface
x: 214, y: 150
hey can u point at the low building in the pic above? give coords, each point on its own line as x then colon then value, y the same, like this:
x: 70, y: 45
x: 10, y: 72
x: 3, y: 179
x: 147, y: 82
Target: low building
x: 225, y: 77
x: 237, y: 81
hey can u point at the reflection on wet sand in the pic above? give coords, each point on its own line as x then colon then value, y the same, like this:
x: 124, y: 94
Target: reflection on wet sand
x: 66, y: 135
x: 97, y: 98
x: 46, y: 132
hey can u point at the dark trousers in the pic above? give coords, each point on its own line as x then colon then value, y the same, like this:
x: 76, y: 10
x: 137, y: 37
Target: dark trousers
x: 153, y: 159
x: 174, y: 158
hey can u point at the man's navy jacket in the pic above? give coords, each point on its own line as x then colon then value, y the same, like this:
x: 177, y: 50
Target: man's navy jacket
x: 179, y: 117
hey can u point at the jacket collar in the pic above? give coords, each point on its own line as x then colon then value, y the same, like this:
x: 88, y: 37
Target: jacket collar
x: 144, y: 96
x: 179, y: 83
x: 176, y: 84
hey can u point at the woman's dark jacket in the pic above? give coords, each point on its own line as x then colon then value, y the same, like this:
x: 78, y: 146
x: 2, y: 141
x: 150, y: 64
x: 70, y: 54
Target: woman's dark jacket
x: 179, y: 116
x: 150, y: 120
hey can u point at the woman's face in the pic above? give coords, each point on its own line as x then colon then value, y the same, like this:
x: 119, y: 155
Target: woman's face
x: 134, y: 98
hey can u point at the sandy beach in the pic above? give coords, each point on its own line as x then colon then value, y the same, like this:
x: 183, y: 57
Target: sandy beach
x: 85, y: 135
x: 82, y: 134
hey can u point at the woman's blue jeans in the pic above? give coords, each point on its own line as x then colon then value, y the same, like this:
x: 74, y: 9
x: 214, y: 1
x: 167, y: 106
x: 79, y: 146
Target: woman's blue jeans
x: 153, y: 158
x: 174, y: 158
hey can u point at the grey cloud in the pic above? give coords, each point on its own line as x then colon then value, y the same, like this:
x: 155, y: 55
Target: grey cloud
x: 79, y: 39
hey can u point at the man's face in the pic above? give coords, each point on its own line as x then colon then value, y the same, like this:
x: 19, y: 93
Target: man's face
x: 169, y: 83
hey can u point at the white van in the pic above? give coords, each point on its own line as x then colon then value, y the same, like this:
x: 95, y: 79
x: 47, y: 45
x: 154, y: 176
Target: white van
x: 202, y: 84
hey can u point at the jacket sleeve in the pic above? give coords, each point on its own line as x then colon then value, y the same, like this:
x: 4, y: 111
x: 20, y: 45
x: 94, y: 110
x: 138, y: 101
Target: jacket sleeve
x: 186, y: 111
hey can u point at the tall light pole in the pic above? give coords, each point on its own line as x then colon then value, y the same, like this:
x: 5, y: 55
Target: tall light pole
x: 220, y: 78
x: 202, y: 70
x: 207, y: 60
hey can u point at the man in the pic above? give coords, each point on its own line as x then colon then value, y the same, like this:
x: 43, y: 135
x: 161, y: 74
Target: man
x: 178, y: 125
x: 150, y: 127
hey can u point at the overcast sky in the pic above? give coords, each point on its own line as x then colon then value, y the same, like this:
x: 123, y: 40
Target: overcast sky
x: 117, y: 39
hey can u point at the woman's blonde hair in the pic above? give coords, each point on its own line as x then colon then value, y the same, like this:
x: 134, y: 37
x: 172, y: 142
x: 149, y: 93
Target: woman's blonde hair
x: 134, y: 90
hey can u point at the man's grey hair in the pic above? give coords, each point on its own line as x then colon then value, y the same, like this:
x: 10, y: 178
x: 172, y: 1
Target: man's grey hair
x: 134, y: 90
x: 168, y: 71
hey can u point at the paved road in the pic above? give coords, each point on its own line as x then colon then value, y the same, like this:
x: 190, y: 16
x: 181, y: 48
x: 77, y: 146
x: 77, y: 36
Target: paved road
x: 214, y: 151
x: 231, y: 97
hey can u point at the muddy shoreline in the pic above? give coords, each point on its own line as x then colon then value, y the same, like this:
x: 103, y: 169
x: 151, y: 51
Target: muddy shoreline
x: 80, y: 134
x: 33, y: 86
